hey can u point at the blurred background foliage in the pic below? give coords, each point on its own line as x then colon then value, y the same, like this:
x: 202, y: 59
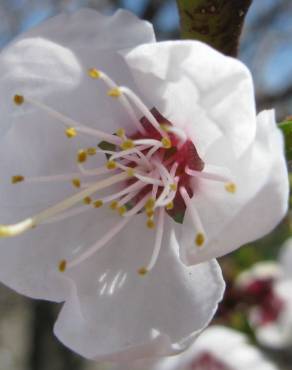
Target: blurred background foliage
x: 26, y: 339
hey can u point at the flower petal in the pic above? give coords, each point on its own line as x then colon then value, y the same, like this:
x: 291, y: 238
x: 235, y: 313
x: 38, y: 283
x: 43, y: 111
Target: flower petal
x: 260, y: 201
x: 194, y: 85
x: 127, y: 316
x: 50, y: 63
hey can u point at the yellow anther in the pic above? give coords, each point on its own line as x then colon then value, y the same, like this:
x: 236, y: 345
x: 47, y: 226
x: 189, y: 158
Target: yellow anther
x: 127, y: 144
x: 70, y: 132
x: 81, y: 156
x: 150, y: 204
x: 173, y: 187
x: 150, y: 223
x: 121, y: 133
x: 94, y: 73
x: 164, y: 127
x: 115, y: 92
x: 98, y: 204
x: 200, y: 239
x: 150, y: 213
x: 62, y: 265
x: 230, y: 187
x: 76, y: 182
x: 122, y: 210
x: 142, y: 271
x: 18, y: 99
x: 131, y: 172
x: 87, y: 200
x: 166, y: 142
x: 114, y: 205
x: 91, y: 151
x: 16, y: 179
x: 169, y: 206
x: 111, y: 165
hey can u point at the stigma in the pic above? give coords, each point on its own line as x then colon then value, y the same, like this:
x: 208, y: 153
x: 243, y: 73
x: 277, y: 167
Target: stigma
x: 156, y: 167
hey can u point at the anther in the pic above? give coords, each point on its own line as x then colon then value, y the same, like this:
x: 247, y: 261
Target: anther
x: 173, y: 187
x: 16, y: 179
x: 200, y: 240
x: 166, y: 142
x: 111, y: 165
x: 70, y: 132
x: 114, y: 205
x: 91, y: 151
x: 122, y: 210
x: 121, y: 133
x: 18, y: 99
x: 94, y: 73
x: 142, y: 271
x: 150, y: 204
x: 169, y: 206
x: 150, y: 213
x: 131, y: 172
x: 230, y: 187
x: 81, y: 156
x: 76, y: 182
x: 127, y: 144
x: 115, y: 92
x: 87, y: 200
x: 98, y: 204
x: 62, y: 265
x: 150, y: 223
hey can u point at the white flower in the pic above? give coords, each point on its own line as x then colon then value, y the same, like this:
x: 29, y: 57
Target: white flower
x: 217, y: 348
x: 269, y: 288
x: 200, y: 157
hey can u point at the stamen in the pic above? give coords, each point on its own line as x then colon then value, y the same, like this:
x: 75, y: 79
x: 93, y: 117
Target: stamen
x: 158, y: 240
x: 230, y: 187
x: 7, y: 231
x: 97, y: 203
x: 62, y: 265
x: 102, y: 242
x: 76, y: 182
x: 69, y: 122
x: 81, y: 156
x: 22, y: 226
x: 142, y: 107
x: 16, y: 179
x: 206, y: 175
x: 91, y: 151
x: 138, y: 207
x: 116, y: 93
x: 111, y: 165
x: 18, y: 99
x: 70, y: 132
x: 87, y: 200
x: 166, y: 142
x: 179, y: 133
x: 127, y: 144
x: 136, y: 186
x: 200, y: 236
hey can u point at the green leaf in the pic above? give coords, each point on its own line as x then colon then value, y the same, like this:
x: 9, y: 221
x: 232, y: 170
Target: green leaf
x: 215, y: 22
x: 286, y: 128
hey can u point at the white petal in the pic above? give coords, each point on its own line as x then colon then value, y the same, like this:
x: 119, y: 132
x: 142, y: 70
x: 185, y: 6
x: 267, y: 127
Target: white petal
x: 50, y: 63
x: 224, y: 345
x: 127, y: 316
x: 258, y: 205
x: 193, y: 85
x: 285, y: 258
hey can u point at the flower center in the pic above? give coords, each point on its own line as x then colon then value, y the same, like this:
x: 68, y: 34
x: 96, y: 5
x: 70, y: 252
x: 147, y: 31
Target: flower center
x: 157, y: 168
x: 206, y: 361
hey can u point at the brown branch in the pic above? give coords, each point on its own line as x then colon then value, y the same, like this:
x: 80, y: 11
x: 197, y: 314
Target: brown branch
x: 216, y: 22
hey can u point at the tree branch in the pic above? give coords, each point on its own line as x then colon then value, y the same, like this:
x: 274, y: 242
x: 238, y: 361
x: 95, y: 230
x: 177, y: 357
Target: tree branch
x: 215, y: 22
